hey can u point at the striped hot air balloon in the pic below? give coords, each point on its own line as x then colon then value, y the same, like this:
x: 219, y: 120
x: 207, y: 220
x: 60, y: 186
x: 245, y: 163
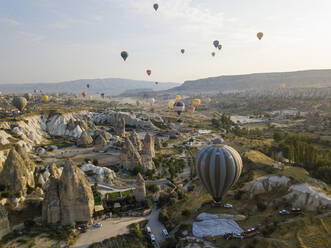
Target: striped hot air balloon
x: 219, y: 167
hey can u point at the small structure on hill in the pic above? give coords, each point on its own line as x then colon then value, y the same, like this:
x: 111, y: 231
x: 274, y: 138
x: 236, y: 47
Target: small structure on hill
x: 140, y: 194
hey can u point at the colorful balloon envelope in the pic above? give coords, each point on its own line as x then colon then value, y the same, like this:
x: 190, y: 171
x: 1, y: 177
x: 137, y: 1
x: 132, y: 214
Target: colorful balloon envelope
x: 171, y: 104
x: 178, y: 97
x: 213, y: 54
x: 84, y: 94
x: 182, y: 51
x: 179, y: 107
x: 155, y: 6
x: 196, y: 102
x: 149, y: 72
x: 88, y: 86
x: 45, y: 98
x: 219, y: 47
x: 259, y: 35
x: 124, y: 55
x: 219, y: 167
x: 156, y: 83
x: 190, y: 109
x: 102, y: 95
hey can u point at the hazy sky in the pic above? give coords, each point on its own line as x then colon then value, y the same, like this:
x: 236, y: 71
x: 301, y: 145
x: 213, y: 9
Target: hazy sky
x: 57, y: 40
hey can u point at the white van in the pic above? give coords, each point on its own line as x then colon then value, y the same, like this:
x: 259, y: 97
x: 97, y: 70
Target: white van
x: 165, y: 233
x: 148, y: 229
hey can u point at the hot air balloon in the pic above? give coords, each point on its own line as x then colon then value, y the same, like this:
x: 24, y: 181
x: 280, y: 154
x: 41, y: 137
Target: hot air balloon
x: 171, y: 104
x: 56, y: 94
x: 88, y: 86
x: 20, y: 103
x: 182, y: 51
x: 179, y: 107
x: 28, y: 96
x: 216, y: 43
x: 282, y: 86
x: 138, y: 103
x: 151, y: 101
x: 124, y: 55
x: 213, y: 54
x: 219, y: 47
x: 45, y: 98
x: 83, y: 94
x: 196, y: 102
x: 156, y: 83
x: 102, y: 95
x: 149, y: 72
x: 190, y: 109
x: 259, y: 35
x: 219, y: 167
x: 178, y: 98
x: 155, y: 6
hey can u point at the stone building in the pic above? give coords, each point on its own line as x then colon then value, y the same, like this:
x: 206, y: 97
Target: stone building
x: 140, y: 193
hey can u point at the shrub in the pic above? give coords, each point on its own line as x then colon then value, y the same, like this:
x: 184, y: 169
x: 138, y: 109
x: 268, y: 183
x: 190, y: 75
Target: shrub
x: 186, y: 212
x: 95, y: 162
x: 152, y: 188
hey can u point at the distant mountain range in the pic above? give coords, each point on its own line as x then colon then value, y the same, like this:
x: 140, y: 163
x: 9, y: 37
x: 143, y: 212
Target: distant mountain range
x: 109, y: 86
x: 257, y: 81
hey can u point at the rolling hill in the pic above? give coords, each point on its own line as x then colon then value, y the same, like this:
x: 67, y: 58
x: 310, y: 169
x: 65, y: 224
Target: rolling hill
x: 109, y: 86
x: 257, y: 81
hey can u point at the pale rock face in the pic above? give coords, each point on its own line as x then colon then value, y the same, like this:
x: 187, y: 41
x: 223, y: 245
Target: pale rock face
x: 157, y: 142
x: 140, y: 193
x: 129, y: 156
x: 76, y: 197
x: 4, y: 138
x: 68, y: 200
x: 135, y: 139
x: 5, y: 125
x: 267, y: 184
x: 307, y: 197
x: 16, y: 173
x: 2, y: 159
x: 4, y: 222
x: 148, y: 146
x: 84, y: 140
x: 51, y: 170
x: 102, y: 175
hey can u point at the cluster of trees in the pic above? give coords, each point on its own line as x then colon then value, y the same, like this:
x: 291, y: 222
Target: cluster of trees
x: 300, y: 150
x: 223, y: 122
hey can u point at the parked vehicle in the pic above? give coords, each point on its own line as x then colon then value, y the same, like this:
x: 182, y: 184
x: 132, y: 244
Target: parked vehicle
x: 284, y: 212
x: 97, y: 225
x: 152, y: 237
x: 165, y: 233
x: 228, y: 205
x: 148, y: 229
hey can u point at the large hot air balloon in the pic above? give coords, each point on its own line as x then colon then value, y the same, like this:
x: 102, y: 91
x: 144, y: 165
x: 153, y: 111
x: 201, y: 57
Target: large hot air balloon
x: 179, y: 107
x: 213, y: 54
x: 219, y: 167
x: 196, y: 102
x: 20, y: 103
x: 28, y: 96
x: 124, y: 55
x: 171, y: 104
x: 216, y: 43
x: 149, y: 72
x: 190, y: 109
x: 83, y: 94
x: 155, y: 6
x: 182, y: 51
x: 219, y: 47
x: 259, y: 35
x: 45, y: 98
x: 178, y: 98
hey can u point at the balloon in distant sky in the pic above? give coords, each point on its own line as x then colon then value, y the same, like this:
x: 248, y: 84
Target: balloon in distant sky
x: 124, y: 55
x: 179, y: 107
x: 88, y: 86
x: 178, y: 98
x: 155, y: 6
x: 190, y: 109
x: 196, y: 102
x: 219, y: 47
x: 156, y: 83
x: 151, y: 101
x: 84, y: 94
x: 213, y: 54
x: 45, y: 98
x: 20, y: 103
x: 28, y: 96
x: 171, y: 104
x: 182, y: 51
x: 216, y: 43
x: 219, y: 167
x: 149, y: 72
x: 102, y: 95
x: 259, y: 35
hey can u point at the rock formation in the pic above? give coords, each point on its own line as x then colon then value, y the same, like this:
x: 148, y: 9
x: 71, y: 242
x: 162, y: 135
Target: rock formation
x: 100, y: 175
x: 129, y: 156
x: 84, y: 140
x: 148, y: 146
x: 68, y: 200
x: 135, y: 139
x: 100, y: 141
x: 104, y: 134
x: 157, y: 142
x: 17, y: 173
x: 120, y: 127
x: 4, y: 222
x: 31, y: 165
x: 140, y: 193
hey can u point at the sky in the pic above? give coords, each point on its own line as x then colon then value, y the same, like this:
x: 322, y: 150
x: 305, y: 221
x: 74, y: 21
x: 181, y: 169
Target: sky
x: 61, y: 40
